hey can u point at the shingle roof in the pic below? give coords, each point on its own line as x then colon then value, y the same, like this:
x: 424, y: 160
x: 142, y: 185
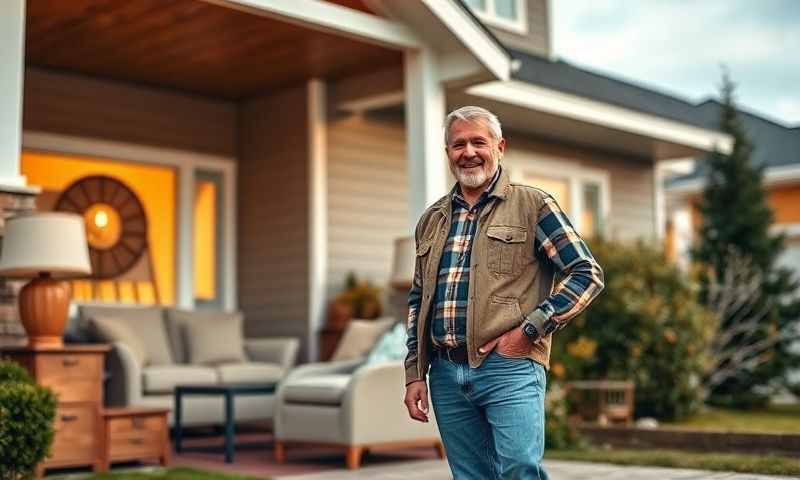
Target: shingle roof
x: 775, y: 144
x: 562, y: 76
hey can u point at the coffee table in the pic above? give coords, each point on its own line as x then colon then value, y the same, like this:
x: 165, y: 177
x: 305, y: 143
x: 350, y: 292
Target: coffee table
x: 229, y: 391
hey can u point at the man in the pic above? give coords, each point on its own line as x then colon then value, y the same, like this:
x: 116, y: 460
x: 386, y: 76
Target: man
x: 482, y: 307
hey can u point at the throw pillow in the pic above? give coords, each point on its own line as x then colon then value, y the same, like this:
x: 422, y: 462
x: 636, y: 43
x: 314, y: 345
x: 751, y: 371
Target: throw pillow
x: 359, y: 338
x: 215, y: 340
x: 391, y: 346
x: 147, y: 322
x: 110, y: 330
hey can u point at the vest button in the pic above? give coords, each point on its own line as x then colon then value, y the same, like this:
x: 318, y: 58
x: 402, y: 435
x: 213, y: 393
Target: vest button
x: 508, y: 237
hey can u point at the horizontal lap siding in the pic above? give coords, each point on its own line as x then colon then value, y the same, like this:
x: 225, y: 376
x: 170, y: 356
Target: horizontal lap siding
x: 273, y: 250
x: 632, y: 210
x: 367, y: 197
x: 84, y: 106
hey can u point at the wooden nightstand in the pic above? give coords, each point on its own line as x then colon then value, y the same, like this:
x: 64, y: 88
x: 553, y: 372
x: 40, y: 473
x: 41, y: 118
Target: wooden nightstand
x: 75, y: 374
x: 134, y: 433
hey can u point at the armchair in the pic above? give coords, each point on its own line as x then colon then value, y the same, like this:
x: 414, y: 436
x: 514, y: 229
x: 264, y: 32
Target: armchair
x: 352, y: 404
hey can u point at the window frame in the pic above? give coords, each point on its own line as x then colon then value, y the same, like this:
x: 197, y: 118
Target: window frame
x: 576, y: 175
x: 490, y: 17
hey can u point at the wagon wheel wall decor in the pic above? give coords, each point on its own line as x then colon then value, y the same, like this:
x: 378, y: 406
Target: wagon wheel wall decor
x: 116, y: 224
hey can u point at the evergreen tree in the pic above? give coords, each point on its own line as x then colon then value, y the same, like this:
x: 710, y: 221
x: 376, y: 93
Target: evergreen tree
x: 735, y: 224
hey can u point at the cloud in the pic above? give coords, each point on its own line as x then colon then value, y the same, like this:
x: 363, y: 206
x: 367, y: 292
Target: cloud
x: 678, y: 46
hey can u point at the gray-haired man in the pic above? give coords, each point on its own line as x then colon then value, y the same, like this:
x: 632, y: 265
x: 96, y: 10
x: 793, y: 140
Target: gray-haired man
x: 482, y: 307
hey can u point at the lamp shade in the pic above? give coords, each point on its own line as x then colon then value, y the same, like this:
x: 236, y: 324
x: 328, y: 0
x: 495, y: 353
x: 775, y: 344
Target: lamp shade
x: 54, y: 243
x: 403, y: 262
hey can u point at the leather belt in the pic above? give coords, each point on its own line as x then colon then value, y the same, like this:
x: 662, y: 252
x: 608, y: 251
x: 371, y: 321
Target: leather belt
x: 455, y: 355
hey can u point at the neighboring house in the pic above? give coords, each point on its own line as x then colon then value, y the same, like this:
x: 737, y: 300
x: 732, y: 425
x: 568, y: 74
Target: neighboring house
x: 278, y: 144
x: 777, y: 149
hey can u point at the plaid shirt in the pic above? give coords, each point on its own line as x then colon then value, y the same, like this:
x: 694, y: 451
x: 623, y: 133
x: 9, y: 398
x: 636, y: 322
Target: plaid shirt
x: 555, y: 241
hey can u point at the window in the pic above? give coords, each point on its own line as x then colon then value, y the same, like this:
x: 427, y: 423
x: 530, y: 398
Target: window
x: 581, y: 192
x: 507, y: 14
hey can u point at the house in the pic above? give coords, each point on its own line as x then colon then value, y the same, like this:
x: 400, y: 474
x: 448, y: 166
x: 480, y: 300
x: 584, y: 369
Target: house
x: 270, y: 147
x: 777, y: 149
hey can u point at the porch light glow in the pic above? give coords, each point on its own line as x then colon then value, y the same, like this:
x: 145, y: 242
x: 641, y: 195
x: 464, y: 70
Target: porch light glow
x: 101, y: 219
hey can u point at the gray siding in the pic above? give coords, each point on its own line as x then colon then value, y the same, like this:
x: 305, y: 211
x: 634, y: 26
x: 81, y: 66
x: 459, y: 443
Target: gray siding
x: 632, y: 209
x: 367, y: 197
x: 537, y: 40
x: 79, y: 105
x: 273, y: 215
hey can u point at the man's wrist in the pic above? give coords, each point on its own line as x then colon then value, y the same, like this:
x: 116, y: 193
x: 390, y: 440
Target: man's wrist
x: 536, y: 319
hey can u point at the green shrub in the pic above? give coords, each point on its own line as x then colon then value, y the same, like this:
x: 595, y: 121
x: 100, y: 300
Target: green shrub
x: 558, y: 433
x: 646, y: 326
x: 27, y: 413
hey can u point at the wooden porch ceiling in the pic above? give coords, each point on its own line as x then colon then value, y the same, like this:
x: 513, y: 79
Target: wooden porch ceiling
x: 191, y: 45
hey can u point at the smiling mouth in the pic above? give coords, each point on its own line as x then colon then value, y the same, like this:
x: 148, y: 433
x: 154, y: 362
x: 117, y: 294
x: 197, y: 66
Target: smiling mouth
x: 468, y: 166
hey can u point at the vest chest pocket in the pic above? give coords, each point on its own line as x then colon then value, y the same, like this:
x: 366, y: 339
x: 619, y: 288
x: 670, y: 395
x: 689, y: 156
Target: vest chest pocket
x: 505, y: 244
x: 422, y: 257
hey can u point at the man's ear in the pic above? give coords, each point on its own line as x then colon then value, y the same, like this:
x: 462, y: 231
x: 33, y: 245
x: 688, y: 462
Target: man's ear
x: 501, y: 146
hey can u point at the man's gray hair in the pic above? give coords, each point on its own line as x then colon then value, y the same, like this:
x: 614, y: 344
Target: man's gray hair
x: 471, y: 113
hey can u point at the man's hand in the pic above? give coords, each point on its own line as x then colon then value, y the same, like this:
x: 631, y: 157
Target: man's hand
x: 417, y: 400
x: 513, y: 343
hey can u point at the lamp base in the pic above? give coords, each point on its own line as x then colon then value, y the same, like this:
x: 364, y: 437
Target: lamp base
x: 43, y: 308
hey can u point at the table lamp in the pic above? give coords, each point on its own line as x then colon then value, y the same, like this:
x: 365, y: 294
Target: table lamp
x: 47, y: 247
x: 403, y: 261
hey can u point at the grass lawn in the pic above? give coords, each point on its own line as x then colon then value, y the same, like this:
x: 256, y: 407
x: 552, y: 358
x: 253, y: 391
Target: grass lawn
x: 774, y: 419
x: 169, y: 474
x: 733, y: 462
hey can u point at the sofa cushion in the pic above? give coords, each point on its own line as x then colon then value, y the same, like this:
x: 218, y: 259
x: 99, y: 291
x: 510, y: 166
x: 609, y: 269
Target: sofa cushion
x: 215, y: 339
x: 249, y: 372
x: 177, y: 320
x: 164, y: 378
x: 359, y: 338
x: 146, y: 322
x: 110, y: 330
x: 317, y: 389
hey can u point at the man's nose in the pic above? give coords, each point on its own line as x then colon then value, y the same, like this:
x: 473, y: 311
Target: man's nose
x: 469, y: 150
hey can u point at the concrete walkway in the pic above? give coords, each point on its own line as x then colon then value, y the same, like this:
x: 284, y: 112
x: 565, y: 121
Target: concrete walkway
x: 556, y: 469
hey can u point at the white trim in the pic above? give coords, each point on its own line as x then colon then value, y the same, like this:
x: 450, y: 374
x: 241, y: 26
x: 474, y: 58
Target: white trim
x: 562, y: 104
x: 659, y: 201
x: 489, y: 16
x: 12, y: 71
x: 425, y: 112
x: 331, y: 18
x: 576, y: 175
x: 318, y: 218
x: 791, y: 230
x: 179, y: 159
x: 184, y: 255
x: 773, y: 176
x: 472, y: 36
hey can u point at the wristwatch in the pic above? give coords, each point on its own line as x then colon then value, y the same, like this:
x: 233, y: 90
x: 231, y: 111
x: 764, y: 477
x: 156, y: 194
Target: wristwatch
x: 530, y: 331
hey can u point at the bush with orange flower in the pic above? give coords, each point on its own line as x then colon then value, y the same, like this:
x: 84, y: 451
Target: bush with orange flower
x: 646, y: 326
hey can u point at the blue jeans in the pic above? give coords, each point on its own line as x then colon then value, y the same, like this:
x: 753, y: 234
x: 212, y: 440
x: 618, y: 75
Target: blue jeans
x: 491, y: 418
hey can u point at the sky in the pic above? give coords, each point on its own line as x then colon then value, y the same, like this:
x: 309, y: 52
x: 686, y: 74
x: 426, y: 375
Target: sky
x: 678, y: 47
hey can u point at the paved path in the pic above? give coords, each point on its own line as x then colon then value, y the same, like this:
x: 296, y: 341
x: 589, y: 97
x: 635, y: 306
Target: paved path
x: 556, y: 469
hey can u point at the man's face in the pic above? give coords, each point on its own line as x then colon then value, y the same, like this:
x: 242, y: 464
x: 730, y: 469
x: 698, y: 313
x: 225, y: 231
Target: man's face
x: 473, y: 153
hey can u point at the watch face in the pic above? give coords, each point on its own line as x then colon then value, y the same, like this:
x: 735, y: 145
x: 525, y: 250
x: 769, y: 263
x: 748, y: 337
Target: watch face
x: 529, y: 331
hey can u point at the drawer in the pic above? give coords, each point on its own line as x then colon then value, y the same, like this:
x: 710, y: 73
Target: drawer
x: 76, y: 389
x: 76, y: 434
x: 71, y: 365
x: 140, y: 423
x: 131, y: 445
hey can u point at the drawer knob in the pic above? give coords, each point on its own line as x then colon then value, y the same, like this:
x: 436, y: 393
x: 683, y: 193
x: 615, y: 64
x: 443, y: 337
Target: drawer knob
x: 138, y: 423
x: 68, y: 418
x: 70, y: 362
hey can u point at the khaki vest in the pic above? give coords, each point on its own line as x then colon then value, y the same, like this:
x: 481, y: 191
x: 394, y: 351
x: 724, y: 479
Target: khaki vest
x: 507, y: 281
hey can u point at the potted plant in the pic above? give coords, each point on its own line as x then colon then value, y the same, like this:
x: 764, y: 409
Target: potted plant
x: 27, y: 414
x: 359, y: 299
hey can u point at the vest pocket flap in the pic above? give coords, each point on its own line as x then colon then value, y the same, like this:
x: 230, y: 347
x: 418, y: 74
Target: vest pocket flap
x: 507, y: 234
x: 423, y: 249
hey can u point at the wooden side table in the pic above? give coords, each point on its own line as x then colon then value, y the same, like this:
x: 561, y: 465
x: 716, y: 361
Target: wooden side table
x: 134, y: 433
x: 75, y: 374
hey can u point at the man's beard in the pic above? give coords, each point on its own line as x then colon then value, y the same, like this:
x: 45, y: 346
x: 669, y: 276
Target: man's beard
x: 472, y: 180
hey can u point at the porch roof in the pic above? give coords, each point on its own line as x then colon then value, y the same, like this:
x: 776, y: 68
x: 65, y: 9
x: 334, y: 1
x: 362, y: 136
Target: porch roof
x: 196, y: 46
